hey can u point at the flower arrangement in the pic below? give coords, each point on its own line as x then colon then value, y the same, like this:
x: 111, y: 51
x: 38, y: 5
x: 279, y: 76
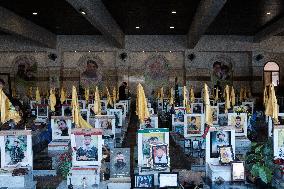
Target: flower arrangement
x: 65, y: 164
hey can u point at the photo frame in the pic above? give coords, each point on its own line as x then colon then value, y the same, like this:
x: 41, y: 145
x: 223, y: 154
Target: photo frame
x: 150, y: 123
x: 178, y: 116
x: 187, y: 143
x: 217, y: 139
x: 117, y: 113
x: 179, y: 128
x: 82, y: 139
x: 106, y: 123
x: 238, y: 122
x: 238, y: 171
x: 66, y: 110
x: 146, y: 138
x: 7, y: 79
x: 126, y: 102
x: 166, y: 104
x: 151, y: 111
x: 193, y: 125
x: 221, y: 108
x: 168, y: 179
x: 144, y: 181
x: 222, y: 120
x: 160, y: 155
x: 226, y: 154
x: 195, y: 144
x: 196, y: 108
x: 121, y: 106
x: 16, y: 148
x: 91, y: 113
x: 61, y: 127
x: 82, y: 104
x: 33, y: 104
x: 104, y: 106
x: 215, y: 114
x: 120, y: 162
x: 278, y: 142
x: 248, y: 106
x: 42, y: 111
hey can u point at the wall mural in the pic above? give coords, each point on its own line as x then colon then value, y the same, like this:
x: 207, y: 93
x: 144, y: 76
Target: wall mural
x: 25, y: 73
x: 222, y: 71
x: 156, y: 73
x: 90, y: 70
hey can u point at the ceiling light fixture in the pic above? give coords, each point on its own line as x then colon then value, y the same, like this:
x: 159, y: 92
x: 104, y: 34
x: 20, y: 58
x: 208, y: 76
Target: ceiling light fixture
x: 174, y: 12
x: 82, y: 11
x: 75, y: 51
x: 268, y: 13
x: 172, y: 27
x: 34, y: 13
x: 170, y: 51
x: 137, y: 27
x: 89, y: 51
x: 143, y: 51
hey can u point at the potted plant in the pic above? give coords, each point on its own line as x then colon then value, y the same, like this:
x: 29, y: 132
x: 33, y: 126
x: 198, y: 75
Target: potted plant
x: 65, y: 164
x: 259, y: 162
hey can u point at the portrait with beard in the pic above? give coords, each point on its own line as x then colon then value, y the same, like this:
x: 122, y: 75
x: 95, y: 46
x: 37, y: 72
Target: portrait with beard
x: 120, y: 158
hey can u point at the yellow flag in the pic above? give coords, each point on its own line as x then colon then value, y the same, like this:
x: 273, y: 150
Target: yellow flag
x: 38, y: 99
x: 97, y: 103
x: 109, y: 99
x: 241, y: 94
x: 227, y: 98
x: 265, y: 96
x: 75, y: 107
x: 208, y: 110
x: 29, y: 92
x: 114, y: 95
x: 233, y: 97
x: 272, y: 106
x: 62, y: 95
x: 141, y: 104
x: 7, y: 113
x: 245, y: 93
x: 192, y: 98
x: 52, y: 100
x: 216, y: 95
x: 87, y: 94
x: 184, y: 92
x: 172, y: 94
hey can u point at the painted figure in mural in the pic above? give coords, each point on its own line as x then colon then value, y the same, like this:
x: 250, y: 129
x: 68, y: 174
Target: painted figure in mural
x: 91, y: 76
x: 122, y: 91
x: 87, y: 152
x: 221, y: 75
x: 16, y: 153
x: 120, y: 161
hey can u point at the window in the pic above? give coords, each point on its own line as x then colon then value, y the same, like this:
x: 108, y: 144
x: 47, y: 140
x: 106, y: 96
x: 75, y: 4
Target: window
x: 271, y: 73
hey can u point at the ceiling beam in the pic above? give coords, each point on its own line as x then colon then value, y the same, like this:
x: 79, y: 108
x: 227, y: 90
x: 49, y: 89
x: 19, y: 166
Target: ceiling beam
x: 14, y: 24
x: 101, y: 19
x: 205, y: 14
x: 270, y: 30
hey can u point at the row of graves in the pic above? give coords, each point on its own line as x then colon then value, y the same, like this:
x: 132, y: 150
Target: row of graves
x: 97, y: 158
x: 218, y: 152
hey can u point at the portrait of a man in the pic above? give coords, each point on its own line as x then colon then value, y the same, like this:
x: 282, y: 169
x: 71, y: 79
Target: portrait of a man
x: 238, y: 122
x: 91, y: 74
x: 160, y: 156
x: 61, y: 127
x: 120, y: 159
x: 88, y: 151
x: 218, y: 139
x: 15, y: 148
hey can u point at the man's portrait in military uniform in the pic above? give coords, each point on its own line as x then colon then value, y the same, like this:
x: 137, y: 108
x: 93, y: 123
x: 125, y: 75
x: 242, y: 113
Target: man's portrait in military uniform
x: 15, y: 148
x: 87, y: 151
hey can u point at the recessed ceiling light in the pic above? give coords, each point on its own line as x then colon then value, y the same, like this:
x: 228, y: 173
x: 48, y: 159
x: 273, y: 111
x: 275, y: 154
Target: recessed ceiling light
x: 143, y: 51
x: 170, y: 51
x: 268, y: 13
x: 137, y: 27
x: 89, y: 51
x: 172, y: 27
x: 35, y: 13
x: 83, y: 12
x: 75, y: 51
x: 174, y: 12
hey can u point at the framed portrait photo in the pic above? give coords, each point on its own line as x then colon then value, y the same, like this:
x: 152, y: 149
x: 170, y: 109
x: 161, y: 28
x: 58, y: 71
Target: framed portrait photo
x: 238, y: 122
x: 121, y: 106
x: 61, y: 127
x: 278, y: 142
x: 66, y: 110
x: 16, y: 148
x: 195, y: 145
x: 179, y: 128
x: 221, y: 108
x: 193, y: 125
x: 217, y: 139
x: 117, y: 113
x: 151, y: 111
x: 187, y: 143
x: 222, y: 120
x: 120, y: 162
x: 150, y: 123
x: 42, y: 110
x: 226, y: 155
x: 178, y: 116
x: 144, y: 181
x: 106, y: 123
x: 248, y: 106
x: 87, y: 147
x: 215, y: 114
x: 82, y: 104
x: 197, y: 108
x: 160, y: 155
x: 238, y: 171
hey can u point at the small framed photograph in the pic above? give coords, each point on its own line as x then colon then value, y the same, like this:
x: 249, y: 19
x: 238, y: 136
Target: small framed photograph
x: 16, y: 148
x: 238, y: 171
x: 167, y: 180
x: 121, y: 106
x: 223, y: 120
x: 238, y: 122
x: 160, y: 155
x: 226, y: 155
x: 87, y: 147
x: 193, y: 125
x: 118, y: 116
x: 151, y: 111
x: 150, y: 123
x: 107, y: 123
x: 42, y: 110
x: 248, y: 106
x: 82, y: 104
x: 278, y: 144
x: 219, y: 138
x: 195, y: 145
x: 179, y: 128
x: 187, y: 143
x: 215, y: 114
x: 33, y: 104
x: 281, y: 118
x: 178, y: 117
x: 104, y: 106
x: 61, y: 127
x: 196, y: 108
x: 221, y: 108
x: 120, y: 162
x: 144, y: 181
x: 66, y: 110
